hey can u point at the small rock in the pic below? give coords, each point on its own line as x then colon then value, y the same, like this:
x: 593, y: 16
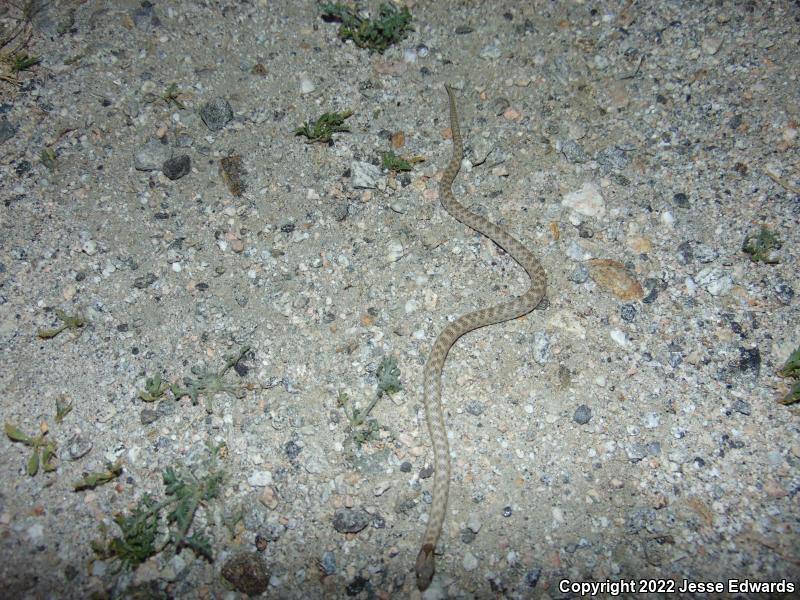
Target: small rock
x: 474, y: 408
x: 474, y: 523
x: 750, y: 360
x: 490, y: 52
x: 541, y: 347
x: 613, y: 276
x: 176, y: 167
x: 89, y: 247
x: 364, y: 175
x: 144, y: 281
x: 328, y: 563
x: 7, y: 130
x: 78, y: 447
x: 306, y: 86
x: 587, y: 201
x: 583, y: 414
x: 681, y: 200
x: 627, y: 312
x: 148, y: 416
x: 247, y: 573
x: 573, y: 152
x: 711, y: 45
x: 579, y: 274
x: 268, y: 498
x: 151, y: 155
x: 260, y: 478
x: 742, y: 406
x: 216, y: 113
x: 715, y: 281
x: 350, y: 520
x: 470, y: 561
x: 612, y: 158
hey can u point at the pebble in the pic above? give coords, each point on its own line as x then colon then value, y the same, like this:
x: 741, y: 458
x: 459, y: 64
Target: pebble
x: 7, y: 130
x: 574, y: 152
x: 587, y: 201
x: 89, y: 247
x: 350, y: 520
x: 579, y: 274
x: 614, y: 277
x: 474, y: 523
x: 176, y: 167
x: 364, y: 175
x: 541, y: 347
x: 306, y: 86
x: 627, y: 312
x: 583, y: 414
x: 216, y: 113
x: 151, y: 155
x: 78, y: 447
x: 469, y: 562
x: 619, y: 337
x: 260, y: 478
x: 490, y: 52
x: 714, y: 280
x: 612, y: 159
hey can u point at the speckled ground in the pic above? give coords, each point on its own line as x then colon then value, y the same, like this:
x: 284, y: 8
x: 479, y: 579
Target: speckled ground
x: 626, y: 430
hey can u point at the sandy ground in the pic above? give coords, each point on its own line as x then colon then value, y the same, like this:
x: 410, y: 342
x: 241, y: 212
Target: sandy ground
x: 627, y: 431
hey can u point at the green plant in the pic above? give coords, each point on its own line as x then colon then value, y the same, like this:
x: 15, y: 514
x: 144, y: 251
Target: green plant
x: 48, y: 158
x: 38, y: 444
x: 792, y: 369
x: 63, y: 408
x: 392, y: 162
x: 73, y: 323
x: 185, y: 493
x: 388, y: 375
x: 206, y: 383
x: 761, y: 246
x: 324, y: 127
x: 171, y: 94
x: 154, y: 388
x: 23, y: 62
x: 364, y: 428
x: 374, y: 34
x: 92, y: 480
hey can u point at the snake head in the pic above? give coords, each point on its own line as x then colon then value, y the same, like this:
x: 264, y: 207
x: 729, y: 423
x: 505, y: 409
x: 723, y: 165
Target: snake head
x: 425, y: 567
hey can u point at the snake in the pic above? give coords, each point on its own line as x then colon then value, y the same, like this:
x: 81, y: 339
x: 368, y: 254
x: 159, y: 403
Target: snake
x: 432, y: 377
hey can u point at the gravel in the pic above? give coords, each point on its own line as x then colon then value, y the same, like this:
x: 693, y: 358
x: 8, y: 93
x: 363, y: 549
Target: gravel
x: 604, y: 435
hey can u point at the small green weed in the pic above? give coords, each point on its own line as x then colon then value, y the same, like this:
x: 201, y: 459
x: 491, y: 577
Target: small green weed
x: 762, y: 246
x: 364, y: 428
x: 208, y: 383
x: 392, y: 162
x: 23, y: 62
x: 388, y: 375
x: 48, y: 158
x: 171, y: 96
x: 43, y: 450
x: 374, y: 34
x: 63, y: 408
x: 185, y: 493
x: 73, y: 323
x: 323, y: 128
x: 92, y: 480
x: 792, y: 369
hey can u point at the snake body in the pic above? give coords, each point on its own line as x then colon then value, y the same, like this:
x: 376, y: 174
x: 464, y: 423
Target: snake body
x: 425, y: 565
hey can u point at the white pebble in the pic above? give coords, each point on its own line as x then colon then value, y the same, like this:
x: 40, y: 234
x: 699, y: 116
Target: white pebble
x: 306, y: 86
x: 89, y: 247
x: 470, y: 562
x: 619, y: 337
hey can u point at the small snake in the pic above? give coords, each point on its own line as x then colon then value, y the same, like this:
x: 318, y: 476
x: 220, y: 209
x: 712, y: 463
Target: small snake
x: 425, y: 566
